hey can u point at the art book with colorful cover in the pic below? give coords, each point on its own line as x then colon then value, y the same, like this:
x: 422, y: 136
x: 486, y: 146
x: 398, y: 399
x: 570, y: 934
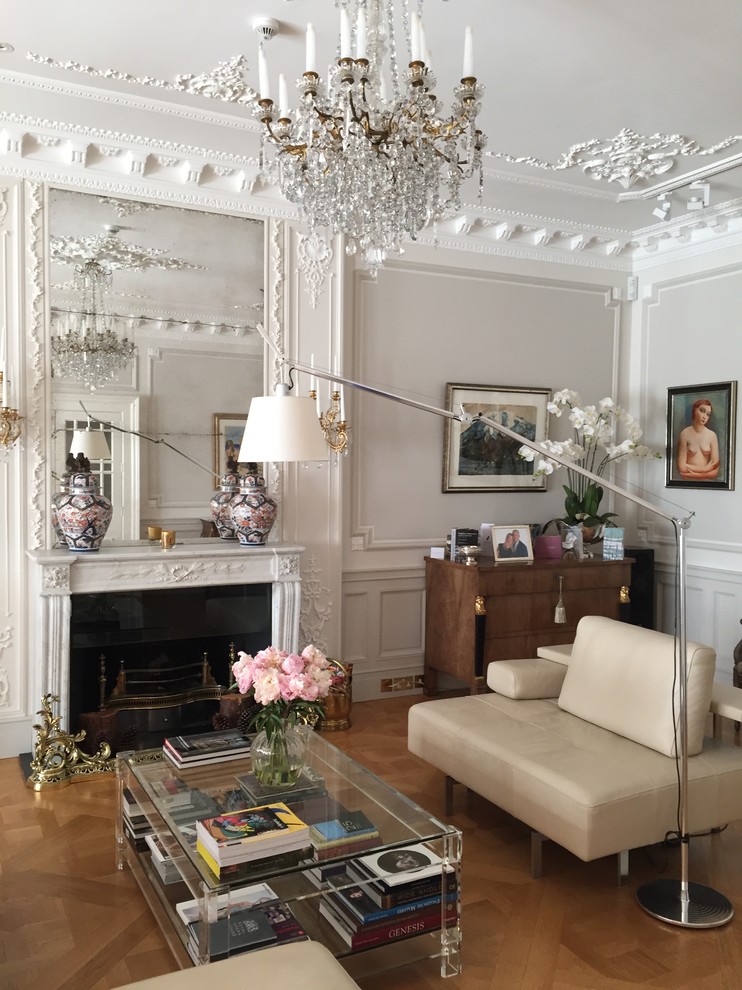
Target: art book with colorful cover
x: 252, y: 833
x: 401, y: 866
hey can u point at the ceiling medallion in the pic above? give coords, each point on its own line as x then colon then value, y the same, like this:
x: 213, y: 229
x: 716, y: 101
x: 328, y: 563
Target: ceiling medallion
x: 108, y: 249
x: 627, y: 158
x: 225, y: 82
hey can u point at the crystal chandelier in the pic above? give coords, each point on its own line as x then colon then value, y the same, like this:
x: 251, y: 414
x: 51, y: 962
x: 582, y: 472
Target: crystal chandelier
x: 371, y: 153
x: 85, y: 345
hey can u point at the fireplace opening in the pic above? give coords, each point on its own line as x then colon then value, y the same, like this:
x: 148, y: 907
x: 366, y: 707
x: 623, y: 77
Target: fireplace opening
x: 146, y: 664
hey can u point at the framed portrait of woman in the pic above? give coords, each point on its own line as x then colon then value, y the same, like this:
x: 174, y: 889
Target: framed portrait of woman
x: 700, y: 436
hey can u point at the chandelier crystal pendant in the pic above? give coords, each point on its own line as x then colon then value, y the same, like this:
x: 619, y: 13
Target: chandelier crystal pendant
x: 370, y: 153
x: 85, y: 345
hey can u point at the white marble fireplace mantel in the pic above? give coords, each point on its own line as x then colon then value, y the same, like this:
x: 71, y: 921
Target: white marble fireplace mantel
x: 60, y: 573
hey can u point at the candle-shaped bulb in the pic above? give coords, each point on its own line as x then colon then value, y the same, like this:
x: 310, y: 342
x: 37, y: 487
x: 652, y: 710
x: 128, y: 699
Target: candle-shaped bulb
x: 283, y: 96
x: 311, y: 56
x: 265, y: 90
x: 468, y: 54
x: 414, y: 37
x: 344, y: 34
x: 422, y: 43
x: 342, y: 404
x: 361, y: 33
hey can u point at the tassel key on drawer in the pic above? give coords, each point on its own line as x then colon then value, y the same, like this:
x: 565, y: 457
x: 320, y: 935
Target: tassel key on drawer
x: 560, y: 612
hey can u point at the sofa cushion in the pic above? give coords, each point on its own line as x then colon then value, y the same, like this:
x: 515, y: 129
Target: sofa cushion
x: 623, y: 678
x: 526, y: 678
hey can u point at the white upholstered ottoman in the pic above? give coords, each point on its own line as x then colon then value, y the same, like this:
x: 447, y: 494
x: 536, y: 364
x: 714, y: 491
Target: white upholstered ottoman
x: 299, y: 965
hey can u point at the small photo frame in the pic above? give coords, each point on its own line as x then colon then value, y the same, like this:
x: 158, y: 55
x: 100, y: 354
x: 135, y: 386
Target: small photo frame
x: 512, y: 543
x: 227, y: 432
x: 701, y: 423
x: 476, y: 458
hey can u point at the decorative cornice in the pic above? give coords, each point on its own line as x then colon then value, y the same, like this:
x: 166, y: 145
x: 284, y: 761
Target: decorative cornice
x: 225, y: 82
x: 627, y: 158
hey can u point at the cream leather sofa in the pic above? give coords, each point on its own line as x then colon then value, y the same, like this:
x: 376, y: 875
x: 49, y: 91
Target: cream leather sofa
x: 579, y: 743
x: 299, y: 965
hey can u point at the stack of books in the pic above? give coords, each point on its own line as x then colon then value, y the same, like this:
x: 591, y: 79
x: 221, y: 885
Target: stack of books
x: 162, y: 860
x: 227, y: 840
x: 136, y: 824
x: 346, y: 832
x: 389, y: 896
x: 205, y: 748
x: 247, y: 918
x: 309, y: 784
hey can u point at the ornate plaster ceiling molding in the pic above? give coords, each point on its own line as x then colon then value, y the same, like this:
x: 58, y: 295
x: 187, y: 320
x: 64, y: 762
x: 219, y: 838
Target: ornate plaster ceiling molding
x: 127, y: 207
x: 627, y: 158
x: 225, y: 82
x: 108, y: 249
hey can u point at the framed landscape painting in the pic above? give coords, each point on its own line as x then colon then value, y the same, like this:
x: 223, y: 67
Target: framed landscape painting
x: 227, y: 432
x: 700, y: 436
x: 476, y: 458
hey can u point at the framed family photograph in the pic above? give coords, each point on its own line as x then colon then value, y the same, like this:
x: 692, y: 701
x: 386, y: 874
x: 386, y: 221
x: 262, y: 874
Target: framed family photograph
x: 476, y: 458
x: 227, y: 432
x: 700, y: 436
x: 512, y: 543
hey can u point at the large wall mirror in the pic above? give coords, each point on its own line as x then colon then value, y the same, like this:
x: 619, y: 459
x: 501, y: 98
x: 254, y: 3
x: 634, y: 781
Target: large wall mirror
x: 187, y: 288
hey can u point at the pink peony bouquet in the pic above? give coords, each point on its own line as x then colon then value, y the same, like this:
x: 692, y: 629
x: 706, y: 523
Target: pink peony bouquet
x: 289, y: 686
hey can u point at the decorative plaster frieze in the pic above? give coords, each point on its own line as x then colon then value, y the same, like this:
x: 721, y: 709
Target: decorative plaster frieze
x: 225, y: 82
x: 6, y: 638
x: 314, y: 614
x: 4, y: 687
x: 36, y: 428
x: 314, y: 257
x: 627, y: 158
x: 112, y: 251
x: 127, y: 207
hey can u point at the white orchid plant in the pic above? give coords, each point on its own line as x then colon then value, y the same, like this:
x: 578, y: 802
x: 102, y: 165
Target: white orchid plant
x: 593, y: 446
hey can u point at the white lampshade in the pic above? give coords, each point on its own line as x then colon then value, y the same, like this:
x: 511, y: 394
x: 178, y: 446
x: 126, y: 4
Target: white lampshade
x: 91, y: 443
x: 283, y: 428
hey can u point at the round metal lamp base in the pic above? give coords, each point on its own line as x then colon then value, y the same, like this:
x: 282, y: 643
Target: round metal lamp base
x: 703, y: 907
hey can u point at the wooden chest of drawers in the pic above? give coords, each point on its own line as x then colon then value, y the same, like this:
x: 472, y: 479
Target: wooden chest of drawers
x: 516, y: 602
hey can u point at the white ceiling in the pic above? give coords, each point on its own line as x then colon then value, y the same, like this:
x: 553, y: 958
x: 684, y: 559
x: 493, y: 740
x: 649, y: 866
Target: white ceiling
x: 557, y: 73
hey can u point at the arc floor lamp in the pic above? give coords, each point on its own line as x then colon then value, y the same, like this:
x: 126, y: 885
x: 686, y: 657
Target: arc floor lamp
x: 678, y: 902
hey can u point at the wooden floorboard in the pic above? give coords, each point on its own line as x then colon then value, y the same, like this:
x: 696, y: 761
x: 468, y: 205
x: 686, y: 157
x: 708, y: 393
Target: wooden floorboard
x: 70, y: 921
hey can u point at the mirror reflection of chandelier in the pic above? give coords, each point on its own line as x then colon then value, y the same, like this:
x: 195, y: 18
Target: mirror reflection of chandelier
x: 371, y: 152
x: 85, y: 345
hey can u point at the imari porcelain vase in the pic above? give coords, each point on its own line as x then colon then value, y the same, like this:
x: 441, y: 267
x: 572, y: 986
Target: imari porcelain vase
x: 83, y: 513
x: 253, y: 511
x: 64, y: 489
x: 221, y: 506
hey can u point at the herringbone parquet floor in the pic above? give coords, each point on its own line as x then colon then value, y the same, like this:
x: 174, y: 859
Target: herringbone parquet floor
x: 70, y: 921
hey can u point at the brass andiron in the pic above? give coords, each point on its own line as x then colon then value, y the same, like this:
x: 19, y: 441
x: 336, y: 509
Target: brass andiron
x: 57, y: 760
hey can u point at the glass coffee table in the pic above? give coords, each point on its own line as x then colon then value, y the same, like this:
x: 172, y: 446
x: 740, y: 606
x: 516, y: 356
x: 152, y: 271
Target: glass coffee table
x: 338, y: 894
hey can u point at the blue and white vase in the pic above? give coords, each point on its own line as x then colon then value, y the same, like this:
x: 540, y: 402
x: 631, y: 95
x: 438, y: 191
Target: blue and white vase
x: 83, y: 513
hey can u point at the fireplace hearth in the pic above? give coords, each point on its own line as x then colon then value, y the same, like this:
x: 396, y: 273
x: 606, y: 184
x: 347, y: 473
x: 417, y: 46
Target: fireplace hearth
x: 140, y: 608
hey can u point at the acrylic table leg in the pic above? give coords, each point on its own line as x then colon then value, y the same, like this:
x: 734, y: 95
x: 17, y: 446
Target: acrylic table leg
x: 122, y: 775
x: 451, y: 936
